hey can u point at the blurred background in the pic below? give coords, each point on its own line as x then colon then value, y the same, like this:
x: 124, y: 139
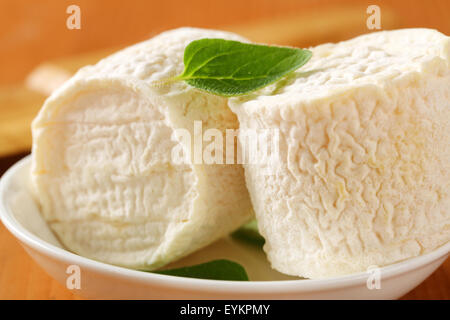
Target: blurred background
x: 38, y: 52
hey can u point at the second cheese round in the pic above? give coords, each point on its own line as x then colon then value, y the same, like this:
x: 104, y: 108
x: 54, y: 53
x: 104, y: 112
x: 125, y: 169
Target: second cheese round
x: 364, y: 143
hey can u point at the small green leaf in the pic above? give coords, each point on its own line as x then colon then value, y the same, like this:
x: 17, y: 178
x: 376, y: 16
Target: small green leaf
x: 215, y: 270
x: 232, y: 68
x: 249, y: 233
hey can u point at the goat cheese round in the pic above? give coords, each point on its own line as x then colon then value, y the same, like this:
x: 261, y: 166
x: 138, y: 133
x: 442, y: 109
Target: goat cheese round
x: 364, y: 146
x: 102, y: 163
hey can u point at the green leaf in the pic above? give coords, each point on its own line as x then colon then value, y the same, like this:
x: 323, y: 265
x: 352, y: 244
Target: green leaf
x: 215, y: 270
x: 249, y: 233
x: 232, y: 68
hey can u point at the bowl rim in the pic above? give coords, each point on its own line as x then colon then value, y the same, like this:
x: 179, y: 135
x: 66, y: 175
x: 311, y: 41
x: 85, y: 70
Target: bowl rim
x: 60, y: 254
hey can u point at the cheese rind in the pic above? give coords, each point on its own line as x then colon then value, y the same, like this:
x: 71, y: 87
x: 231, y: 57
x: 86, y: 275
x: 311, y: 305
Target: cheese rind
x: 364, y: 176
x: 102, y: 166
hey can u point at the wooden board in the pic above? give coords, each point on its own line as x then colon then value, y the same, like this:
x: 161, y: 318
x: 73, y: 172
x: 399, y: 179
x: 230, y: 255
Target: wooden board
x: 20, y: 105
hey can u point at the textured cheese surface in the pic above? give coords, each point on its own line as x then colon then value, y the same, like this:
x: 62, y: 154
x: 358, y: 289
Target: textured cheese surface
x: 364, y: 177
x: 102, y: 168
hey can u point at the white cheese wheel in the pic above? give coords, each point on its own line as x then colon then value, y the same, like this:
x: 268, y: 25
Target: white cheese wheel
x: 102, y: 165
x: 364, y: 172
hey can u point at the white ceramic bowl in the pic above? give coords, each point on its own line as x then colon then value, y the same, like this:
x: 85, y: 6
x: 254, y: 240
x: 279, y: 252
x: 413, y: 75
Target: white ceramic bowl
x: 20, y: 214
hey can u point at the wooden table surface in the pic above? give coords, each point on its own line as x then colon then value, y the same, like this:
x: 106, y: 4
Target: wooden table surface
x: 33, y: 32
